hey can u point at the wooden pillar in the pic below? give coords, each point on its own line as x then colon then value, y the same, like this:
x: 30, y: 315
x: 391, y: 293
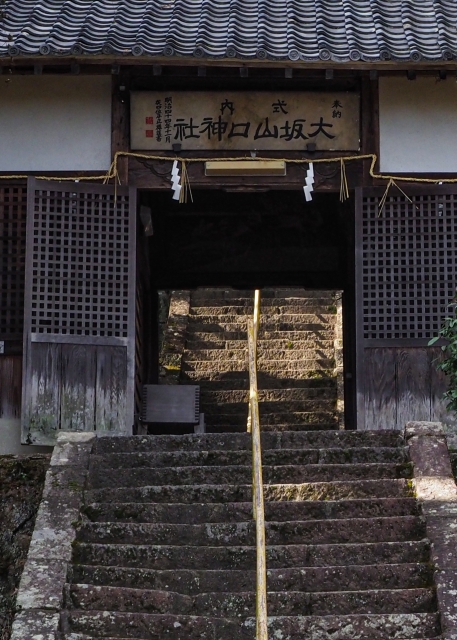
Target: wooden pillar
x: 370, y: 123
x: 120, y: 122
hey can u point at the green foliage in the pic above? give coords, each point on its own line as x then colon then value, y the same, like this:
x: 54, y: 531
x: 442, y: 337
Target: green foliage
x: 448, y: 362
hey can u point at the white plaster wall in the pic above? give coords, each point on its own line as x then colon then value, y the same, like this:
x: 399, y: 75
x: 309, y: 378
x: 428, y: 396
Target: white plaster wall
x: 418, y: 124
x: 60, y: 123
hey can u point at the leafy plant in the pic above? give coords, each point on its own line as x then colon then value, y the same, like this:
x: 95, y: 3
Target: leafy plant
x: 448, y: 362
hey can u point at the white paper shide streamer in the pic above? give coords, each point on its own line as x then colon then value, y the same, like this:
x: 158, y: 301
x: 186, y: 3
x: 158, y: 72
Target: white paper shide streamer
x: 309, y: 182
x: 176, y: 181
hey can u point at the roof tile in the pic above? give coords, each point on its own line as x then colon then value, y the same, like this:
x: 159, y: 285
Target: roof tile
x: 310, y: 30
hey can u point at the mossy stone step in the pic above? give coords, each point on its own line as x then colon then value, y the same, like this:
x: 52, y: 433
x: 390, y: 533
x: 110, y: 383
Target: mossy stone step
x: 339, y: 490
x: 243, y: 441
x: 188, y: 582
x: 391, y: 529
x: 241, y: 603
x: 345, y: 627
x: 115, y: 564
x: 270, y: 457
x: 241, y: 511
x: 270, y: 395
x: 241, y: 474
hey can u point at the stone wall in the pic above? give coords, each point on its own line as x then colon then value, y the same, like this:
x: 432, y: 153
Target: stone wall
x: 21, y: 486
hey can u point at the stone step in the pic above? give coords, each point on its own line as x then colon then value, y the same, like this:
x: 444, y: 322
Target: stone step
x: 265, y: 294
x: 398, y: 488
x: 411, y: 626
x: 240, y: 337
x: 277, y: 355
x: 270, y: 457
x: 268, y: 395
x: 83, y: 636
x: 276, y: 306
x: 141, y: 625
x: 236, y: 424
x: 282, y: 420
x: 241, y: 511
x: 217, y: 342
x: 187, y: 582
x: 243, y: 533
x: 240, y: 474
x: 241, y: 602
x: 268, y: 366
x: 354, y: 627
x: 107, y: 561
x: 284, y: 323
x: 316, y: 406
x: 324, y: 300
x: 291, y: 440
x: 271, y: 318
x: 233, y: 380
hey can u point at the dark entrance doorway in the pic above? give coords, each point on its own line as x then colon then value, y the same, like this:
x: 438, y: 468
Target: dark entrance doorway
x: 249, y: 240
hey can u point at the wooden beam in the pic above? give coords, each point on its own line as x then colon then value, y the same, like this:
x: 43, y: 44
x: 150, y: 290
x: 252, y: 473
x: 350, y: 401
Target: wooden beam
x: 191, y: 61
x: 151, y: 174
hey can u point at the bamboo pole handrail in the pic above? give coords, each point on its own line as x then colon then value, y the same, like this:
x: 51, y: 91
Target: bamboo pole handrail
x: 257, y: 479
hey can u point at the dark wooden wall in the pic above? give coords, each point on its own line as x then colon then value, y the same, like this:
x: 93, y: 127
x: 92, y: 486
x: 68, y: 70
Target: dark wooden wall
x: 13, y: 212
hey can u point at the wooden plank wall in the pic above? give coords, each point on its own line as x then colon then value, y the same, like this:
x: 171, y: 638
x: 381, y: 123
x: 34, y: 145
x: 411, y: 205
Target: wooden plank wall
x: 10, y: 386
x: 75, y: 387
x: 402, y: 384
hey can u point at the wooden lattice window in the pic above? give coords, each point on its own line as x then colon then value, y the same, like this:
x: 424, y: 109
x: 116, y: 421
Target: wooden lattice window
x: 13, y: 211
x: 80, y: 270
x: 409, y: 265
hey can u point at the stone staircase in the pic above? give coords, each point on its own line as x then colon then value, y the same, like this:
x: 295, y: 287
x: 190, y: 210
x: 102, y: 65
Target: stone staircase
x: 296, y: 358
x: 166, y: 543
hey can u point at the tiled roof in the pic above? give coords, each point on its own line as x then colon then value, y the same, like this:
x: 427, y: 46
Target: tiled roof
x: 308, y: 30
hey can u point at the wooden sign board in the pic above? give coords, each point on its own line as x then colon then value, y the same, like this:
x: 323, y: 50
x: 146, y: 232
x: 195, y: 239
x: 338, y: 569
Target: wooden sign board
x: 245, y: 121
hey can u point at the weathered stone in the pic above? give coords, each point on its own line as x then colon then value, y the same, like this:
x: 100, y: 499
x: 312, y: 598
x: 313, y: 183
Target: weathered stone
x: 41, y: 585
x: 361, y: 627
x: 242, y: 533
x: 423, y: 429
x: 437, y: 508
x: 446, y: 590
x: 35, y: 625
x: 303, y: 579
x: 237, y: 441
x: 103, y: 598
x: 113, y: 558
x: 171, y: 557
x: 430, y: 456
x: 232, y: 512
x: 242, y: 493
x: 73, y: 453
x: 50, y: 548
x: 435, y: 488
x: 239, y: 474
x: 372, y: 601
x: 141, y: 625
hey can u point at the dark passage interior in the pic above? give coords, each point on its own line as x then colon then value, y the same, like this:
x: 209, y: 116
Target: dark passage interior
x: 248, y: 240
